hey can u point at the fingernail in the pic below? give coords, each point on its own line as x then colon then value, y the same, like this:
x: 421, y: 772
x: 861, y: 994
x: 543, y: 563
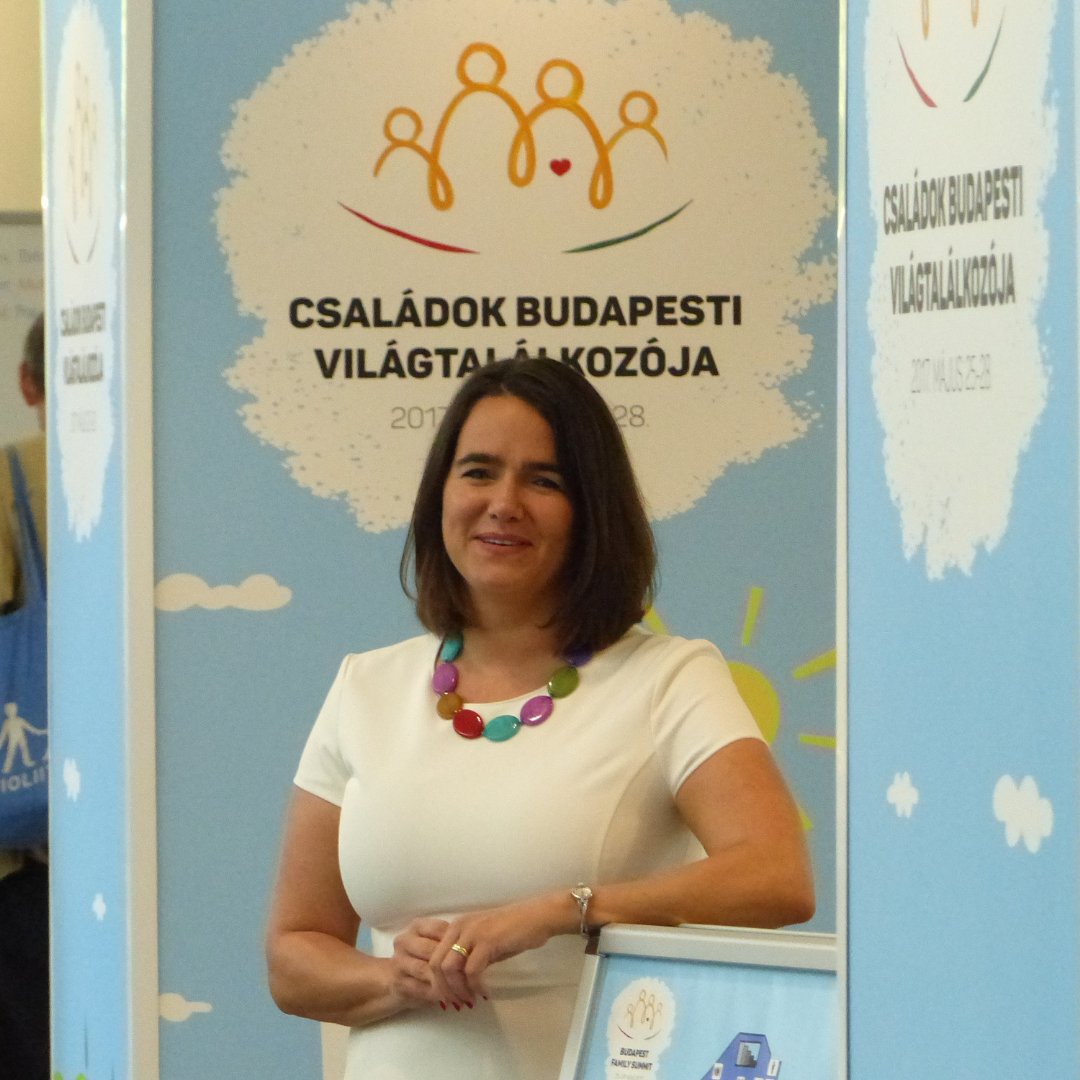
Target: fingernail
x: 443, y: 1004
x: 485, y: 997
x: 457, y: 1006
x: 469, y: 1003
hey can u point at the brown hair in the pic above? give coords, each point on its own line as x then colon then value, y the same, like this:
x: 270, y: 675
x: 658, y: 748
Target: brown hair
x: 607, y: 581
x: 34, y: 353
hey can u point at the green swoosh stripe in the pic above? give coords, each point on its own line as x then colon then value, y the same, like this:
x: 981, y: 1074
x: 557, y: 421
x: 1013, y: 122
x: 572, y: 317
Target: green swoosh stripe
x: 629, y: 236
x: 982, y: 75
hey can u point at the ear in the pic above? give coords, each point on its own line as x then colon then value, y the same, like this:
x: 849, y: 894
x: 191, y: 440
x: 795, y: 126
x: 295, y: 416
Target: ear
x: 31, y: 393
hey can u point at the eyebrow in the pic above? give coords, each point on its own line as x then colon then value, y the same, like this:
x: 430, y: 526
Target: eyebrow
x: 492, y: 459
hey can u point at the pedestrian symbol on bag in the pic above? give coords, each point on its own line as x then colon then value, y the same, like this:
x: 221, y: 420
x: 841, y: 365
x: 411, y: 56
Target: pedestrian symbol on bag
x: 13, y: 733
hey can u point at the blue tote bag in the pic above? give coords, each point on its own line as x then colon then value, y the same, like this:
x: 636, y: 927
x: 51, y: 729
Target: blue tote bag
x: 24, y: 740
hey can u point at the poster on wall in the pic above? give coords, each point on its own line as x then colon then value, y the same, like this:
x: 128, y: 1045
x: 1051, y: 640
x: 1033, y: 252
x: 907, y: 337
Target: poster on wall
x: 22, y: 294
x: 961, y: 151
x: 359, y: 208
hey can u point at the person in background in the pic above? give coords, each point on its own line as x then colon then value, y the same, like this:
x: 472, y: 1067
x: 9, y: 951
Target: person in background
x: 24, y: 879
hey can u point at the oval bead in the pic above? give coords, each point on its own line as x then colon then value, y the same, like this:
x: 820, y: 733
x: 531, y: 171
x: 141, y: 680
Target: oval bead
x: 449, y: 704
x: 563, y: 682
x: 468, y: 724
x: 578, y: 658
x: 451, y: 649
x: 502, y: 728
x: 445, y: 678
x: 536, y: 710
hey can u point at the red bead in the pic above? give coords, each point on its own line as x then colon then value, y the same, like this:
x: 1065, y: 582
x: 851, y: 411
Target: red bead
x: 468, y: 724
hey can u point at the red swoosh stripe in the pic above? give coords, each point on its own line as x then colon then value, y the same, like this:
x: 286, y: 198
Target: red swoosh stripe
x: 408, y: 236
x: 922, y: 93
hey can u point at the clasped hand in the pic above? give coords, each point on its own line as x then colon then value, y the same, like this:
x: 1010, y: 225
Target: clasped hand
x: 428, y: 970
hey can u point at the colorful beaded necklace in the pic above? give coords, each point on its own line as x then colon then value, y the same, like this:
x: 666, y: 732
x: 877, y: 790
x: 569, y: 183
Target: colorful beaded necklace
x: 470, y: 725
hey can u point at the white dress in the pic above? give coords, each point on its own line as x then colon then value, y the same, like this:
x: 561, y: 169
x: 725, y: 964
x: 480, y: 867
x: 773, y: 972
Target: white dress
x: 433, y: 824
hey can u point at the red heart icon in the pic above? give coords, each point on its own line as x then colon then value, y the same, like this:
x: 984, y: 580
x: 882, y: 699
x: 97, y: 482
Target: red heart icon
x: 560, y: 166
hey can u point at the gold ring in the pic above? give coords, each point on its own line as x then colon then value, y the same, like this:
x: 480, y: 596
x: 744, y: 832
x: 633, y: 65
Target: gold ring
x: 460, y: 949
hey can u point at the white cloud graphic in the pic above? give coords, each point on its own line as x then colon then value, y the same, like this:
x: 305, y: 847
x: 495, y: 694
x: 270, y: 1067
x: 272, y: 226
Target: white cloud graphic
x: 176, y: 1008
x: 260, y: 592
x: 903, y: 794
x: 72, y: 779
x: 959, y: 380
x: 359, y: 433
x: 98, y: 907
x: 1023, y: 812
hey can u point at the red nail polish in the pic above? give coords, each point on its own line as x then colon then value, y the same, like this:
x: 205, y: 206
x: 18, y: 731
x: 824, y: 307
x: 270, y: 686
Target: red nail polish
x: 457, y: 1006
x: 485, y: 997
x: 443, y: 1004
x: 469, y: 1003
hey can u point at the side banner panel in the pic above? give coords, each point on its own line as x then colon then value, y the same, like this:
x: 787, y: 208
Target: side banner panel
x: 963, y: 536
x: 84, y: 319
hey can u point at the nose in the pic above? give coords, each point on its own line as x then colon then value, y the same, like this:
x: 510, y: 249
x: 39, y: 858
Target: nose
x: 505, y: 502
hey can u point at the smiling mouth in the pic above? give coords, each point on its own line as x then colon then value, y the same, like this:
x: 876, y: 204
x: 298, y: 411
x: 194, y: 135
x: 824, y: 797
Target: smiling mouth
x: 503, y: 541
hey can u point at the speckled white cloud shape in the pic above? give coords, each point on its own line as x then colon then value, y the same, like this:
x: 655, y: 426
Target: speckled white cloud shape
x: 259, y: 592
x: 640, y: 1028
x: 176, y: 1008
x: 903, y: 795
x: 1026, y: 814
x: 72, y: 779
x: 959, y: 389
x: 83, y: 220
x: 304, y: 146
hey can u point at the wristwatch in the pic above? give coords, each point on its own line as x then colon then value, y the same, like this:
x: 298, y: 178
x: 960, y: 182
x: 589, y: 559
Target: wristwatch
x: 583, y: 894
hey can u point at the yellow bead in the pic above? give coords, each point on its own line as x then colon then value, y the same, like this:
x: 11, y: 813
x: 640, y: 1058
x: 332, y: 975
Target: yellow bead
x: 449, y: 704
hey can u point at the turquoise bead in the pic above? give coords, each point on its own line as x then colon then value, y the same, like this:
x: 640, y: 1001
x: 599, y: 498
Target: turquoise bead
x: 502, y: 728
x: 451, y: 649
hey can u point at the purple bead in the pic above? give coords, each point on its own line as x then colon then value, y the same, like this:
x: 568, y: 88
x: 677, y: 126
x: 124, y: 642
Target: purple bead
x: 536, y: 710
x: 578, y: 658
x: 445, y: 678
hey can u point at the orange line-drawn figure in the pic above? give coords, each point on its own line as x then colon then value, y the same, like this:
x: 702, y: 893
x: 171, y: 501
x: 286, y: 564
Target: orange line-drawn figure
x: 925, y: 18
x: 638, y: 125
x: 974, y: 12
x: 440, y: 190
x: 521, y: 164
x: 602, y: 184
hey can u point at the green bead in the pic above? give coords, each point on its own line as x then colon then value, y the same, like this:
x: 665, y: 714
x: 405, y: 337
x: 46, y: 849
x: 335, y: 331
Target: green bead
x: 563, y: 682
x: 502, y: 728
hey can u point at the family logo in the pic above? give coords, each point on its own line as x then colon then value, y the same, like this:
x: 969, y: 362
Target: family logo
x: 82, y: 201
x: 404, y: 127
x: 956, y: 52
x: 643, y: 1017
x: 747, y: 1057
x: 640, y: 1027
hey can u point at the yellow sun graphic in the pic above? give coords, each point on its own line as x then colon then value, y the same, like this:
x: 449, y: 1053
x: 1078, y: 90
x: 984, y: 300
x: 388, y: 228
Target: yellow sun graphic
x: 757, y: 690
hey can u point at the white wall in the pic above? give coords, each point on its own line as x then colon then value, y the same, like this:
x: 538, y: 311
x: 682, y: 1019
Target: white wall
x: 21, y: 293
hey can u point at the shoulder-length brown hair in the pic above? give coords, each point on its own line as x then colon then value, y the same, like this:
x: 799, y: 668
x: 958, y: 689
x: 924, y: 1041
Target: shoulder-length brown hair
x: 607, y: 581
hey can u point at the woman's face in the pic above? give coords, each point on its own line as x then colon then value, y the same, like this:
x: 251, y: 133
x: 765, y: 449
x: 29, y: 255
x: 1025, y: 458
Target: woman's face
x: 506, y: 517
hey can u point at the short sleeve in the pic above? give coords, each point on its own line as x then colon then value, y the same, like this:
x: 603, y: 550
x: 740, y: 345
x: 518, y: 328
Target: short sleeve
x: 697, y: 710
x: 322, y: 769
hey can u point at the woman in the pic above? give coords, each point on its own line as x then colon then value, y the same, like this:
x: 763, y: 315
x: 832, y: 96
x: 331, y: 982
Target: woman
x: 465, y: 854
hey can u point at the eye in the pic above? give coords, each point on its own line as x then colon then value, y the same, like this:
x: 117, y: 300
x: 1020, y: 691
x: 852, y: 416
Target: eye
x: 550, y: 482
x: 477, y: 472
